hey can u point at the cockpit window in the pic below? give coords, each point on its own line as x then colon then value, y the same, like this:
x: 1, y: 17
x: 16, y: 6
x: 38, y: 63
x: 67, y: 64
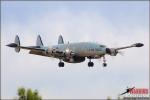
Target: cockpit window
x: 102, y: 45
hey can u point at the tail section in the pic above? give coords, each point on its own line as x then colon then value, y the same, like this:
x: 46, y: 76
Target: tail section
x: 60, y: 40
x: 16, y: 44
x: 39, y: 41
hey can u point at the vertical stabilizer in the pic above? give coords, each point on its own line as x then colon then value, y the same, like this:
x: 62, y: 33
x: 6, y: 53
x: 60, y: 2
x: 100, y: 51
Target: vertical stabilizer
x: 60, y: 40
x: 17, y: 42
x: 39, y: 41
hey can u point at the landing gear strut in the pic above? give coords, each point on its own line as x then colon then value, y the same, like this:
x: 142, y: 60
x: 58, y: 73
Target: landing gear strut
x: 104, y: 60
x: 90, y: 64
x: 61, y: 64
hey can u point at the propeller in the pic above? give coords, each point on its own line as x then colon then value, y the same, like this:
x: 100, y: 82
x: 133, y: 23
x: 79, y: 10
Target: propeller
x: 68, y: 51
x: 121, y: 53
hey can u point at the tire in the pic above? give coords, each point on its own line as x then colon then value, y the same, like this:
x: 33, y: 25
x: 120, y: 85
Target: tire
x: 61, y: 64
x: 104, y: 64
x: 90, y: 64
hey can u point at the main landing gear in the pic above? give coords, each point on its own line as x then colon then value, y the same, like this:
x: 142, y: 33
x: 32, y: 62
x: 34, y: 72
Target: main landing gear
x: 90, y: 64
x: 61, y: 64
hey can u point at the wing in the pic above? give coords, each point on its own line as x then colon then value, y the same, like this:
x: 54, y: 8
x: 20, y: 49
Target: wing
x: 115, y: 51
x: 133, y: 45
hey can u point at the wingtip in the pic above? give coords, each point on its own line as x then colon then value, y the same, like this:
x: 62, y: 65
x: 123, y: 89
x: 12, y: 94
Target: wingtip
x: 138, y: 45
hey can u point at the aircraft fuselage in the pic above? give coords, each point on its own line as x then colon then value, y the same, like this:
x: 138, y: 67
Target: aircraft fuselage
x: 83, y: 49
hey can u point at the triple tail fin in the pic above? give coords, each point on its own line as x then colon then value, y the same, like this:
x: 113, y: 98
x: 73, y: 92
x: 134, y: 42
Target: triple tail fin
x: 39, y: 41
x: 17, y: 42
x: 60, y: 40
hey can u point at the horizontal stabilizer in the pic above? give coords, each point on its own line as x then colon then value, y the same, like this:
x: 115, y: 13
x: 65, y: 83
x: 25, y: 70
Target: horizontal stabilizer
x: 16, y: 44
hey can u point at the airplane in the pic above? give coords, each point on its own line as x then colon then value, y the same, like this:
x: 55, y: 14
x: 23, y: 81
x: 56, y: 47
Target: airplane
x: 71, y: 52
x: 127, y: 90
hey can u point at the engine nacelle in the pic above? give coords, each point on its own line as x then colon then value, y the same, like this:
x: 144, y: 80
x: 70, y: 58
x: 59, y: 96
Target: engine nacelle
x: 111, y: 51
x: 69, y: 53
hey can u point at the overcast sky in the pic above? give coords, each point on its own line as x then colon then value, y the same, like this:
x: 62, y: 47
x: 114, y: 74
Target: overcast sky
x: 116, y: 23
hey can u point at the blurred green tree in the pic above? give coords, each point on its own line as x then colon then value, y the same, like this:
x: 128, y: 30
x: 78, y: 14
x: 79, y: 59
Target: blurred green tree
x: 28, y: 94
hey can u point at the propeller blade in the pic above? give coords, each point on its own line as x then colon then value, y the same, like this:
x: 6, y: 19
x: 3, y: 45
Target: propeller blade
x: 121, y: 53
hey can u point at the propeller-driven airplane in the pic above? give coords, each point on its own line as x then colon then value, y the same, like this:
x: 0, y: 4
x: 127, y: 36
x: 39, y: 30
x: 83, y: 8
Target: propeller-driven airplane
x: 71, y: 52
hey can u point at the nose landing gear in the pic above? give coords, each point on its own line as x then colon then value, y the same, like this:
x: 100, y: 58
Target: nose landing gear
x: 104, y: 64
x: 104, y: 60
x: 61, y: 64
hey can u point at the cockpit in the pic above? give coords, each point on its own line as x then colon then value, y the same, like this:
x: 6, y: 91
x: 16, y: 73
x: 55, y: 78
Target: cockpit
x: 102, y: 46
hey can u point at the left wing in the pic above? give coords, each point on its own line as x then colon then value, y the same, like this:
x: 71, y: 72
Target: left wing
x: 115, y: 51
x: 133, y: 45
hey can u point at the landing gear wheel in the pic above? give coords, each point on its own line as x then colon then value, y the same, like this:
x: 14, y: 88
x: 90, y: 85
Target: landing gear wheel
x: 104, y: 60
x: 61, y: 64
x: 104, y: 64
x: 90, y: 64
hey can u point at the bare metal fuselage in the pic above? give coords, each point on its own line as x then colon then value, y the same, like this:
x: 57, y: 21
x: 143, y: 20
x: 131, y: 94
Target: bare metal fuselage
x: 83, y: 49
